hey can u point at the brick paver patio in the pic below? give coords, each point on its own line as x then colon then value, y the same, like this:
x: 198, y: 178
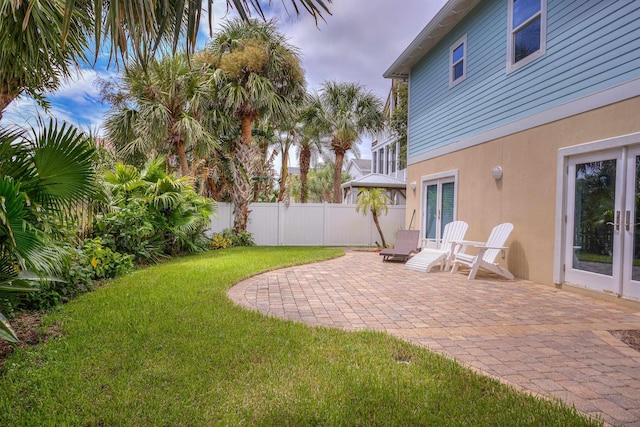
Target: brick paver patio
x: 535, y: 337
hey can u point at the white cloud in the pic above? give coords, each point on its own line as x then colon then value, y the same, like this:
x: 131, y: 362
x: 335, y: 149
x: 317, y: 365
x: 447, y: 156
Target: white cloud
x: 360, y: 40
x: 77, y: 102
x: 357, y: 43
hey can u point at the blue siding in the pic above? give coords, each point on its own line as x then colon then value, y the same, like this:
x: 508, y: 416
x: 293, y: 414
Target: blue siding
x: 591, y: 45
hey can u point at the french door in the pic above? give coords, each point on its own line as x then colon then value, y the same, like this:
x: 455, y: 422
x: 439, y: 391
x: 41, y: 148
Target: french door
x: 602, y: 245
x: 439, y: 206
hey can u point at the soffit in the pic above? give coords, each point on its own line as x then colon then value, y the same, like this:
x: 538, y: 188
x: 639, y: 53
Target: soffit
x: 448, y: 17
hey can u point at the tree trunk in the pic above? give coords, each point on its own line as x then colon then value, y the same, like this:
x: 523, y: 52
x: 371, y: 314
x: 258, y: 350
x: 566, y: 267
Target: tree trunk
x: 242, y: 168
x: 284, y: 173
x: 375, y: 219
x: 247, y: 127
x: 182, y: 155
x: 337, y: 175
x: 305, y: 162
x: 6, y: 99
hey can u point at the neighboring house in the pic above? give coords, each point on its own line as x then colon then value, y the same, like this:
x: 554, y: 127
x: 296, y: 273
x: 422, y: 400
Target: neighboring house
x: 357, y: 168
x: 384, y: 170
x: 528, y: 111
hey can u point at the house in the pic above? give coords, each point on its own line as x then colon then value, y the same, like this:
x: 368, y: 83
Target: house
x: 528, y: 111
x: 385, y: 170
x: 357, y: 168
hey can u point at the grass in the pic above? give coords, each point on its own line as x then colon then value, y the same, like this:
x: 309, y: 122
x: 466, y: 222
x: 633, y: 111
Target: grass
x: 165, y: 346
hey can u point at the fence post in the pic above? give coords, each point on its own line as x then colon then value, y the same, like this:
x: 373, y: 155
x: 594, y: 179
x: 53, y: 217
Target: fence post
x: 280, y: 225
x: 324, y: 223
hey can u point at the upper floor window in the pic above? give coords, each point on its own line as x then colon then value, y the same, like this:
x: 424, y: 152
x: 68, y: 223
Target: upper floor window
x: 458, y: 61
x: 527, y: 32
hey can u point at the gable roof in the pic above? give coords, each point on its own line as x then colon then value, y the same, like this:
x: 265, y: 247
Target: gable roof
x: 362, y: 164
x: 376, y: 180
x: 448, y: 17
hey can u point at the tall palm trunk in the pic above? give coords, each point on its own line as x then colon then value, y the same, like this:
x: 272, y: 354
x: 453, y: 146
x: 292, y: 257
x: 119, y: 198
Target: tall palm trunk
x: 305, y: 162
x: 182, y: 155
x: 247, y: 127
x: 337, y: 174
x: 242, y: 169
x: 284, y: 173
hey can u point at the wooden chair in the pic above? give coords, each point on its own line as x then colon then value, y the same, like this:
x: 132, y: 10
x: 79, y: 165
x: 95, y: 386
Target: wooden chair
x: 487, y: 253
x: 439, y: 252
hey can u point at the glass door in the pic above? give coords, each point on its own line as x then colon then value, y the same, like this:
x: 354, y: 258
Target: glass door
x: 603, y: 222
x: 595, y: 190
x: 439, y: 209
x: 631, y: 227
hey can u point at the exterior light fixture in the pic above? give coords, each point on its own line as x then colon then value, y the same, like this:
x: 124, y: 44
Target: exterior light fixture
x: 413, y: 185
x: 496, y: 172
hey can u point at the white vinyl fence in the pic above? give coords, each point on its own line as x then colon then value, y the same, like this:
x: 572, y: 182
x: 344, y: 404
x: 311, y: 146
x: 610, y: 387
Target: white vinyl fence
x: 312, y: 224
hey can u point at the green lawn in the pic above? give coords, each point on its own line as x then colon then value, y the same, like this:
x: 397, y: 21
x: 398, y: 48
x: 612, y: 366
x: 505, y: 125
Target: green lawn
x: 165, y: 346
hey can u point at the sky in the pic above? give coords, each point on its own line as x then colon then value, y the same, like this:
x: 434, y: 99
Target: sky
x: 357, y: 43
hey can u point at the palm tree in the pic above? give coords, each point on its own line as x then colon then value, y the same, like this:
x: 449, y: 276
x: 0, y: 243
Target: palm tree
x: 320, y: 182
x: 258, y: 74
x: 42, y: 41
x: 33, y: 58
x: 374, y: 200
x: 42, y: 177
x: 160, y: 109
x: 347, y: 111
x: 310, y: 142
x: 146, y: 25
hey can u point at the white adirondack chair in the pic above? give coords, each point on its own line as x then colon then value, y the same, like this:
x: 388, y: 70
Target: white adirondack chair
x: 487, y: 253
x: 443, y: 252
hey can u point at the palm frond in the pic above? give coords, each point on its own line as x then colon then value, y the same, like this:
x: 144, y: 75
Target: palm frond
x: 6, y: 332
x: 63, y: 159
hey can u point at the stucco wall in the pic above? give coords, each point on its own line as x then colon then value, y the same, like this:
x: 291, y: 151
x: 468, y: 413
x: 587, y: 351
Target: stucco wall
x: 592, y: 45
x: 526, y: 194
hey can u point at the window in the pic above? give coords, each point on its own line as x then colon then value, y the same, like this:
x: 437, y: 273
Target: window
x: 373, y: 162
x: 527, y: 32
x: 458, y: 61
x: 439, y: 200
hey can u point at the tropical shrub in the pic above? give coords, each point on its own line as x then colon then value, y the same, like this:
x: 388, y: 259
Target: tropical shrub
x: 238, y: 238
x: 105, y: 262
x: 152, y: 214
x: 90, y: 261
x: 220, y: 242
x: 42, y: 178
x: 129, y: 229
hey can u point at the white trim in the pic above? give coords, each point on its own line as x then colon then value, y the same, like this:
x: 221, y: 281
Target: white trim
x: 460, y: 42
x: 599, y: 99
x: 564, y: 154
x: 511, y: 64
x: 440, y: 175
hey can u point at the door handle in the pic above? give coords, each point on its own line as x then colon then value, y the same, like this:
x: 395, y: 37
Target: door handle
x: 627, y: 220
x: 617, y: 223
